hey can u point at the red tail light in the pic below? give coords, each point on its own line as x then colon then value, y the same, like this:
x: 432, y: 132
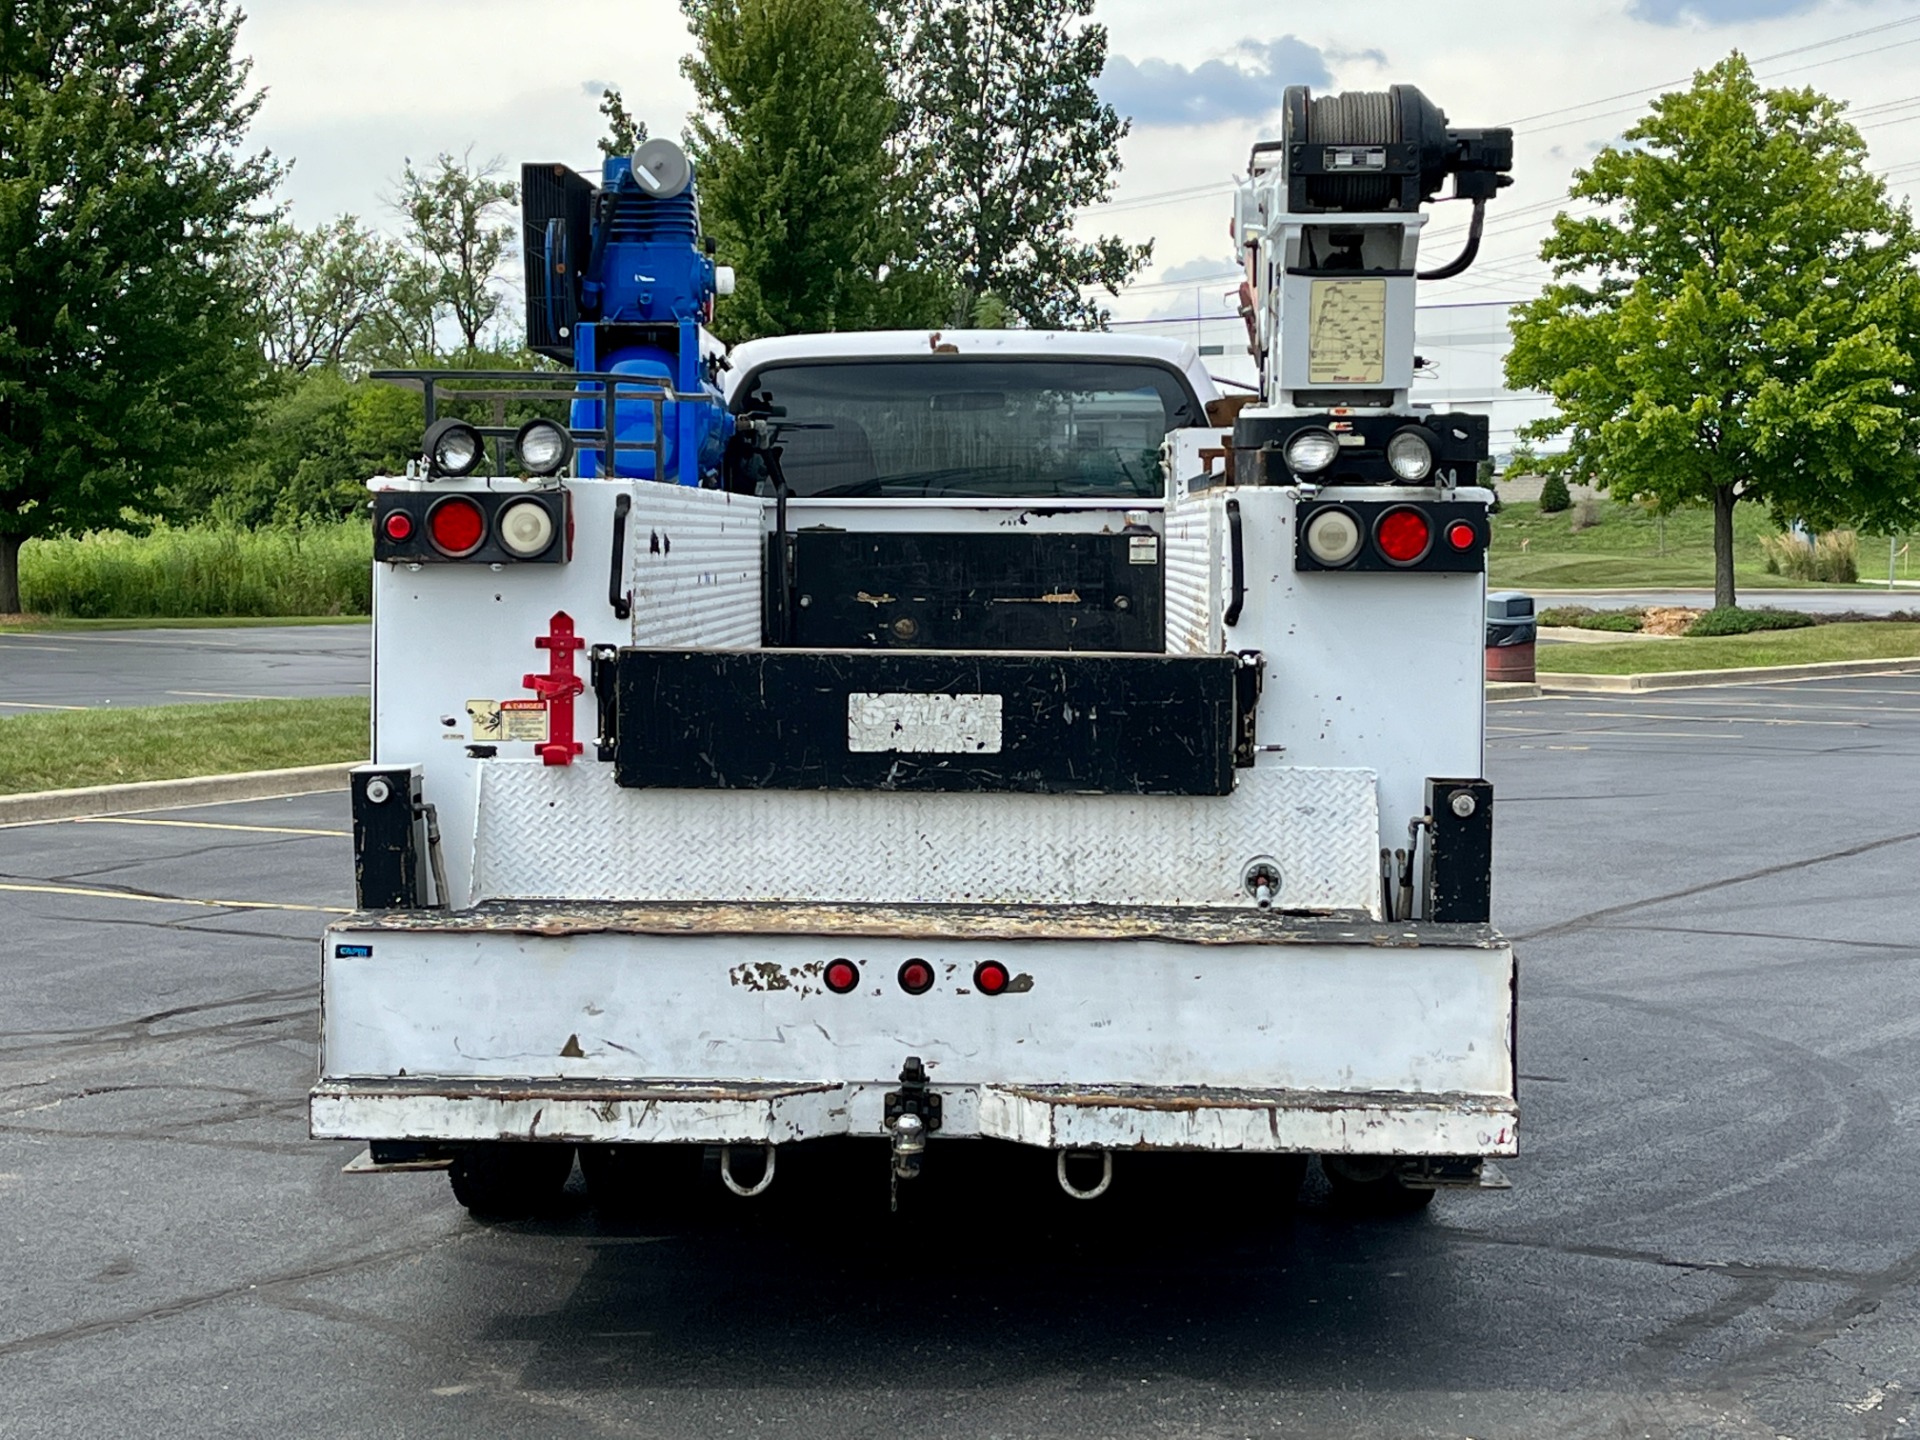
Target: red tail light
x: 990, y: 977
x: 399, y: 526
x: 456, y: 526
x: 1403, y: 535
x: 916, y: 977
x: 1462, y: 536
x: 841, y: 976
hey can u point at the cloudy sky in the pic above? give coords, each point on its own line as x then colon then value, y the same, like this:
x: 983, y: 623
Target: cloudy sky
x: 357, y: 86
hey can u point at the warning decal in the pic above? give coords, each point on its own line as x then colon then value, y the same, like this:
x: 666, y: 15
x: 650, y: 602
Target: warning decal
x: 509, y: 720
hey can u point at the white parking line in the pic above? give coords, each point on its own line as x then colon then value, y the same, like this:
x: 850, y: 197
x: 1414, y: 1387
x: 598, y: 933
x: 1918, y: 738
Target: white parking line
x: 201, y: 825
x: 173, y: 899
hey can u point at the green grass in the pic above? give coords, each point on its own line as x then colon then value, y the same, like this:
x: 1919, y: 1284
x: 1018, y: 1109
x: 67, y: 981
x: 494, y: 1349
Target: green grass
x: 59, y: 751
x: 1866, y: 641
x: 1627, y: 548
x: 35, y: 623
x: 321, y: 569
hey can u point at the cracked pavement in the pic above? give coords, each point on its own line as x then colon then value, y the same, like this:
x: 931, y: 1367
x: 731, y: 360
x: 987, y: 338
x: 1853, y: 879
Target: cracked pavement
x: 1712, y: 1231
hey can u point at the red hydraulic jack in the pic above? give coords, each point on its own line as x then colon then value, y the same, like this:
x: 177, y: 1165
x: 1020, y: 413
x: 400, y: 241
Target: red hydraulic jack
x: 558, y: 687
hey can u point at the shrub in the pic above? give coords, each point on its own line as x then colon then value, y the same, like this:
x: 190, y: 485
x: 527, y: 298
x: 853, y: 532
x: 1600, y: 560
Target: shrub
x: 1734, y: 621
x: 1553, y: 496
x: 1586, y: 513
x: 1585, y: 617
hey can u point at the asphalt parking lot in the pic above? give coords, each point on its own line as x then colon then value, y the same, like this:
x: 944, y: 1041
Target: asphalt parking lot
x: 1713, y: 1230
x: 81, y: 669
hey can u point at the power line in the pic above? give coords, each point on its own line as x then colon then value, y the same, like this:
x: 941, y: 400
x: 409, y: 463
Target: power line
x: 1761, y: 60
x: 1195, y: 192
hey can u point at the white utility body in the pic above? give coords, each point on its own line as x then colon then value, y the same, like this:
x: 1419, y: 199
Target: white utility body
x: 917, y: 803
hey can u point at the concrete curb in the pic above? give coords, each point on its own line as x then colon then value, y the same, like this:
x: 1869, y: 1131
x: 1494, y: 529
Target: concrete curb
x: 1688, y: 679
x: 1512, y: 690
x: 39, y: 805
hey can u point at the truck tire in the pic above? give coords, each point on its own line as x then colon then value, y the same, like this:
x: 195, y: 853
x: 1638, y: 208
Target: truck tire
x: 510, y: 1180
x: 1369, y: 1185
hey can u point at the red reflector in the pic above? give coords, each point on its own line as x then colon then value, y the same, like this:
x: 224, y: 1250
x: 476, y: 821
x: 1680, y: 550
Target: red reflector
x: 398, y: 525
x: 916, y: 977
x: 457, y: 526
x: 841, y: 976
x: 990, y: 977
x: 1461, y: 535
x: 1403, y: 535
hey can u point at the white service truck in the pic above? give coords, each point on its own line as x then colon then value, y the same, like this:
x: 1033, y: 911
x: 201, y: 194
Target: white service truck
x: 930, y: 736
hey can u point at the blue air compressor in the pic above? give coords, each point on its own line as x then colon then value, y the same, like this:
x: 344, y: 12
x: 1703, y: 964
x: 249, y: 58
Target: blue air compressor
x: 620, y: 281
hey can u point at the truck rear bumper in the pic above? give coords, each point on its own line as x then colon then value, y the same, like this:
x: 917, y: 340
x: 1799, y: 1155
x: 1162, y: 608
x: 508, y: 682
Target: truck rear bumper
x: 1108, y: 1117
x: 1119, y: 1028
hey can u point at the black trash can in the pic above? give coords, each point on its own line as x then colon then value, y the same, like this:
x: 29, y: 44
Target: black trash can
x: 1511, y: 633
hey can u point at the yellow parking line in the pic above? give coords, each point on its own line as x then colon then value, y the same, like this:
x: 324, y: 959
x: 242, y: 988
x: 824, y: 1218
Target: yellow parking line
x: 174, y: 899
x: 205, y: 825
x: 30, y: 705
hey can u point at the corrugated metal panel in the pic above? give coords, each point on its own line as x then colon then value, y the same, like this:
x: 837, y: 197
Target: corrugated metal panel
x: 570, y: 833
x: 696, y: 567
x: 1193, y: 570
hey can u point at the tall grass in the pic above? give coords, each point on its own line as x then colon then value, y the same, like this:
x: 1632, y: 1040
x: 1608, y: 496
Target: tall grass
x: 312, y: 569
x: 1835, y: 556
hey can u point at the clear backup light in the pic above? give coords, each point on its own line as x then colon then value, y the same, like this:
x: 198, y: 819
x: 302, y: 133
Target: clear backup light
x: 1410, y: 454
x: 1333, y: 537
x: 543, y: 447
x: 526, y: 528
x: 452, y: 447
x: 1311, y: 451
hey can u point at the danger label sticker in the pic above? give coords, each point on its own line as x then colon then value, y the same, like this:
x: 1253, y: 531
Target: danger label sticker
x: 1143, y: 550
x: 509, y: 720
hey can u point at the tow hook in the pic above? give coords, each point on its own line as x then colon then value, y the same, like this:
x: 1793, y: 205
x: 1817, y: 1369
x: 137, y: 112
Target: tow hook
x: 912, y: 1113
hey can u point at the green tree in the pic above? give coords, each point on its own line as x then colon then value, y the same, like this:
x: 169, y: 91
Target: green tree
x: 127, y: 353
x: 459, y: 230
x: 316, y: 438
x: 1553, y: 495
x: 1006, y: 139
x: 319, y: 291
x: 624, y: 133
x: 797, y: 184
x: 1738, y: 321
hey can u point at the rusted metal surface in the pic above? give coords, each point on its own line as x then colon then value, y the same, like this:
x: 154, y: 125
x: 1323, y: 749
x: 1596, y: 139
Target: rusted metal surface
x: 1118, y: 1117
x: 650, y: 1112
x: 1195, y: 925
x: 1130, y: 1117
x: 1173, y: 1099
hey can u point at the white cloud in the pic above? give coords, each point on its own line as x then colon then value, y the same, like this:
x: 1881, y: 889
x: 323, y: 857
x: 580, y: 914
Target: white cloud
x: 1246, y: 87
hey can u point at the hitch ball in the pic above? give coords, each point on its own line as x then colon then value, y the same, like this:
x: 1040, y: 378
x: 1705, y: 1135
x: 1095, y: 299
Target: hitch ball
x: 909, y: 1145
